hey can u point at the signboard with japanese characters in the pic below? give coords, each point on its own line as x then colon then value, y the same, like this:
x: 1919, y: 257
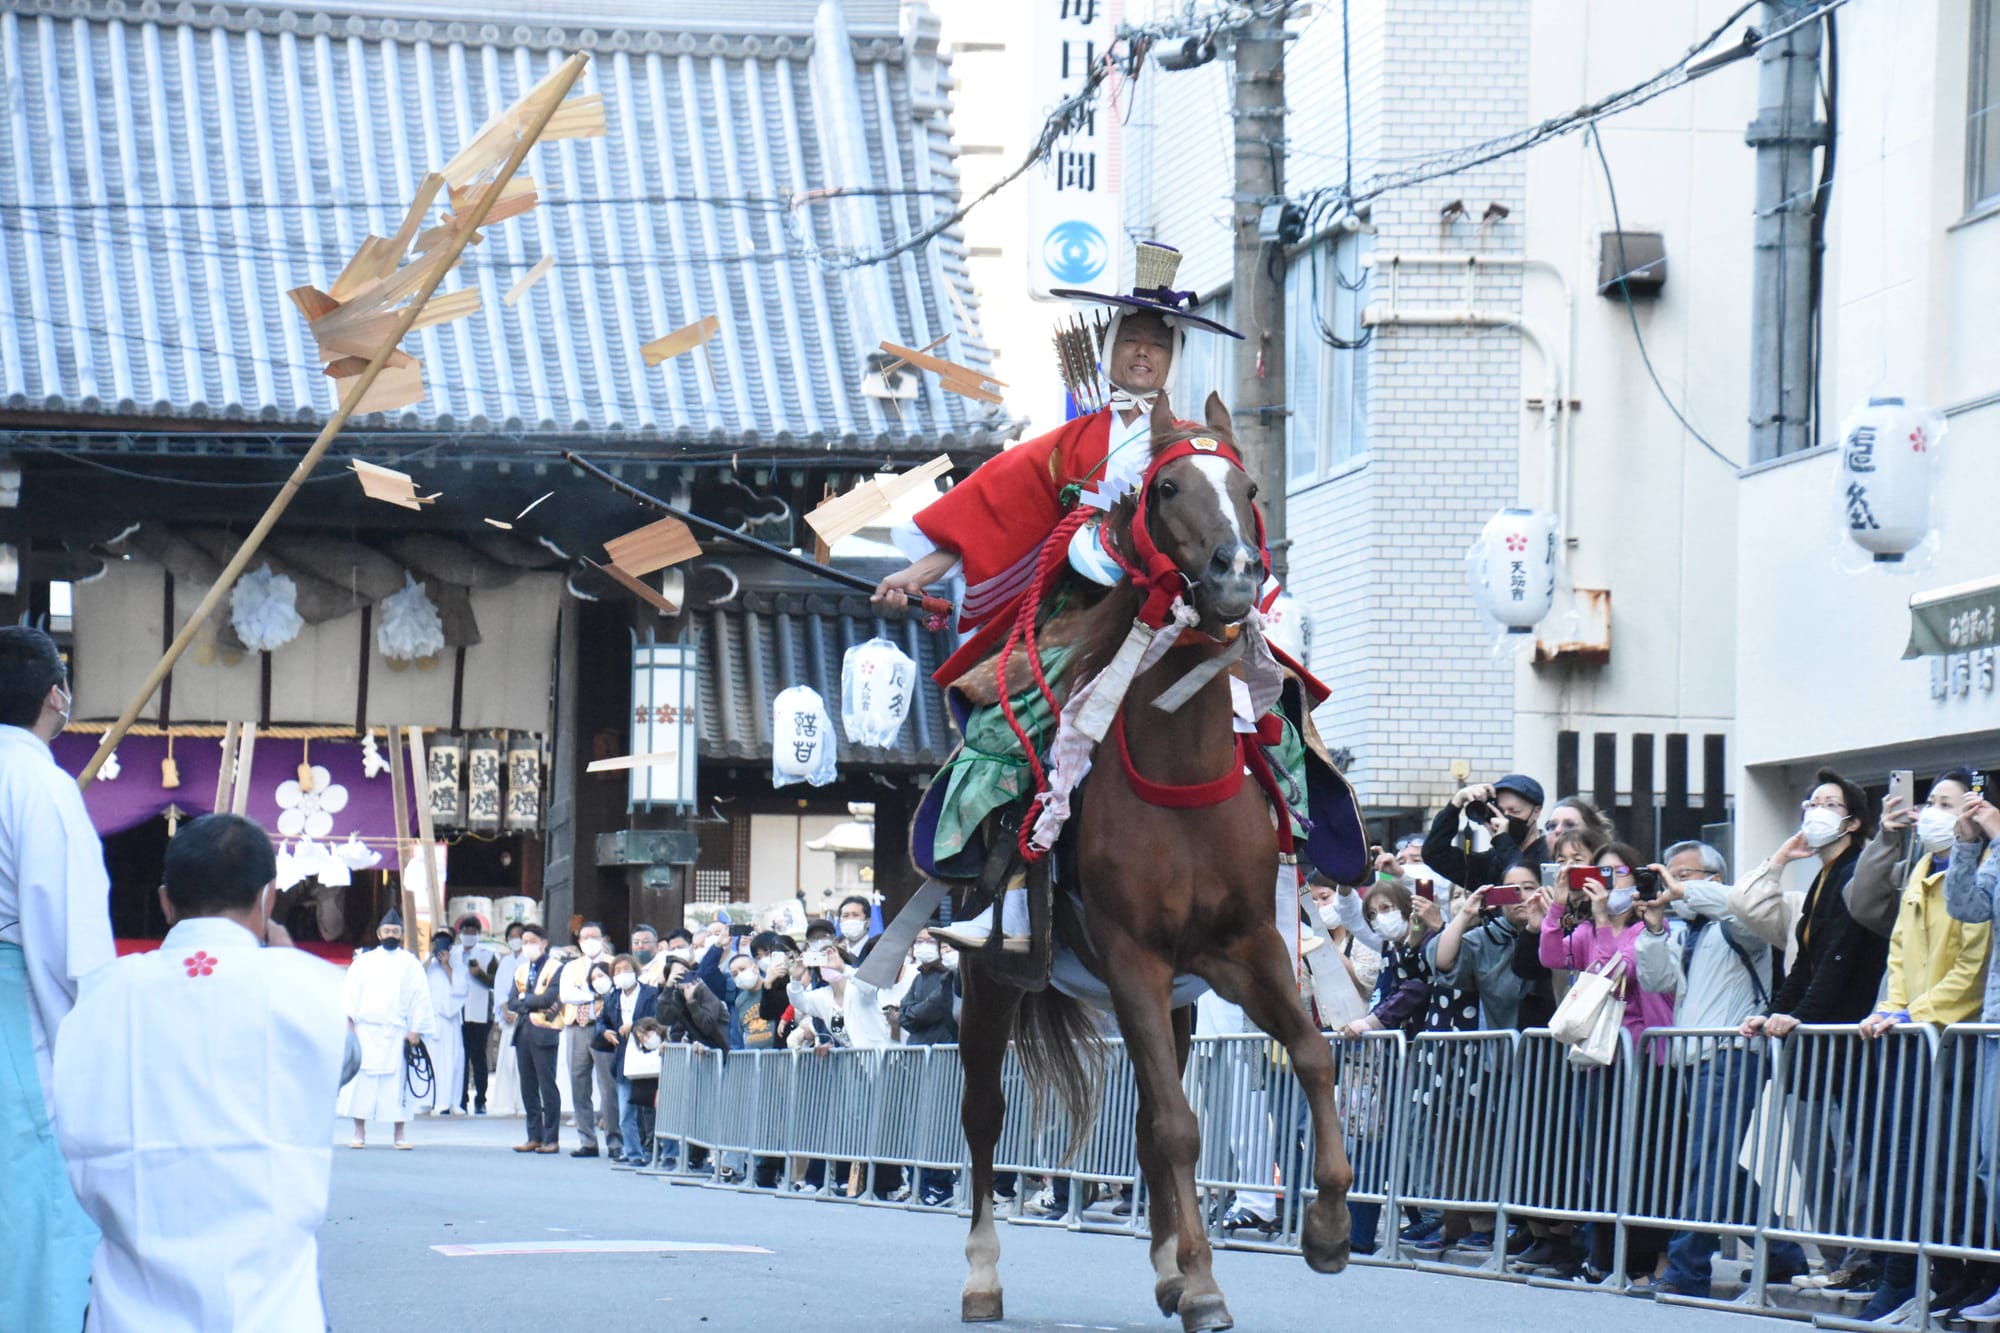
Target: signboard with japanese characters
x: 445, y: 767
x: 482, y: 785
x: 1075, y: 229
x: 666, y: 723
x: 524, y: 784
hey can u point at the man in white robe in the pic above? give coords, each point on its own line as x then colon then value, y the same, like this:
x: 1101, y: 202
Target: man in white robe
x: 389, y: 1001
x: 446, y: 975
x: 55, y: 927
x: 190, y: 1088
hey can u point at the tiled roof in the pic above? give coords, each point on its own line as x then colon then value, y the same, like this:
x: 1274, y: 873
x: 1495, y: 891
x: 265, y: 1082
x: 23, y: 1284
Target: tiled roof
x: 173, y: 170
x: 761, y: 642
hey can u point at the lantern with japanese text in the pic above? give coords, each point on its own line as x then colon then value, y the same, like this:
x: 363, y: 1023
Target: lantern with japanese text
x: 801, y: 738
x: 1512, y: 568
x: 876, y: 681
x: 665, y: 737
x: 1288, y: 627
x: 1888, y: 464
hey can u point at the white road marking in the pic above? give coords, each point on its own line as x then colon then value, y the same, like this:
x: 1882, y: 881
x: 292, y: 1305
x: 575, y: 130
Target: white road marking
x: 594, y: 1247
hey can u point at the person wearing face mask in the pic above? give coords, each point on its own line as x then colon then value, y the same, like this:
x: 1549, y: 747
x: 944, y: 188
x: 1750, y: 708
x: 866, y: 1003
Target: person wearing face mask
x: 1834, y: 965
x: 1719, y: 972
x: 444, y: 970
x: 479, y: 964
x: 1384, y: 921
x: 625, y: 1004
x: 1936, y: 975
x: 589, y: 1062
x: 1509, y: 810
x: 851, y: 919
x: 388, y: 999
x: 1972, y: 894
x: 926, y: 1013
x: 55, y: 926
x: 504, y: 1094
x: 191, y: 1114
x: 746, y: 1003
x: 645, y: 943
x: 537, y: 1007
x: 1340, y: 974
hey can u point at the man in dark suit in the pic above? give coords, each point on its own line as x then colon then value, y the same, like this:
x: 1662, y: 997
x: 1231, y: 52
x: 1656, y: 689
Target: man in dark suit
x: 538, y: 998
x: 629, y: 1001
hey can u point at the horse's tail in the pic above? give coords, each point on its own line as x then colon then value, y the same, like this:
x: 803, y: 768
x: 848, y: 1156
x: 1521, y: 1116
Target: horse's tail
x: 1062, y: 1053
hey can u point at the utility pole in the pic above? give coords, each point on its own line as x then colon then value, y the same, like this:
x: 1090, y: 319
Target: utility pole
x: 1784, y: 134
x: 1259, y: 416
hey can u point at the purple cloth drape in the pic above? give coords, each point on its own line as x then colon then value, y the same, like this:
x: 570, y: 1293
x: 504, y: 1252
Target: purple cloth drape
x: 136, y: 796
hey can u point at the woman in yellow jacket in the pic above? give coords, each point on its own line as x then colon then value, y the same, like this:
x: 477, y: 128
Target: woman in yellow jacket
x: 1937, y: 975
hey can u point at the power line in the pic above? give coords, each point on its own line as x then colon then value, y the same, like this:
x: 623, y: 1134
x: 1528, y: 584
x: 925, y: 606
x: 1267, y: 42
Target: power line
x: 1618, y: 229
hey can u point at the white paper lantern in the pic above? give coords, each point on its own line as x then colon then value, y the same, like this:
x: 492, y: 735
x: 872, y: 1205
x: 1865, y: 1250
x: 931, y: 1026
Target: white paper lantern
x: 1288, y: 627
x: 801, y: 738
x: 1512, y: 568
x: 1888, y: 454
x: 877, y: 680
x: 263, y: 610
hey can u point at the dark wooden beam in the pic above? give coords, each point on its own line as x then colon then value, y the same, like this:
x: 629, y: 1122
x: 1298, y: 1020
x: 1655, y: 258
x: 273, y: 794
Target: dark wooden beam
x: 1645, y: 831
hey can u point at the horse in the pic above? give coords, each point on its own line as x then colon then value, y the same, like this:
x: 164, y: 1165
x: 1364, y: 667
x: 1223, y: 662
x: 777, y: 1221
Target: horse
x: 1164, y: 892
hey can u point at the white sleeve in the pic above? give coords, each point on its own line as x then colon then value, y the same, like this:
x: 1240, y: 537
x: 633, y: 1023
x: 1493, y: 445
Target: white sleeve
x: 1351, y: 916
x: 911, y: 541
x: 1659, y: 961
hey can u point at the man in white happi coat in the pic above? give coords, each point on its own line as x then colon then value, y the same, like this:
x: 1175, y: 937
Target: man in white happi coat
x: 389, y: 1001
x: 55, y: 927
x: 191, y: 1086
x: 450, y: 986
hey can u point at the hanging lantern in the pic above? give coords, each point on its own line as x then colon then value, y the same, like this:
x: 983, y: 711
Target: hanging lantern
x: 263, y: 610
x: 524, y: 784
x: 1288, y: 627
x: 801, y: 738
x: 482, y: 784
x: 876, y: 682
x: 1512, y: 568
x: 445, y: 766
x: 1888, y: 460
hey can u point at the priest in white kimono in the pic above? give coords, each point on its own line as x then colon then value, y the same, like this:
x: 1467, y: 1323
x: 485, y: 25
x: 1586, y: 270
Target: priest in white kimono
x: 55, y: 927
x: 389, y: 1001
x: 450, y: 982
x: 191, y: 1086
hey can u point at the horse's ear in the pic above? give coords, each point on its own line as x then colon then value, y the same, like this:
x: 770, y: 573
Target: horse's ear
x: 1216, y: 414
x: 1162, y: 420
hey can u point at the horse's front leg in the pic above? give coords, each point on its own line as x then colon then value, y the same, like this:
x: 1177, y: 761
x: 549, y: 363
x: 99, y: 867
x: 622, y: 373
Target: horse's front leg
x: 1142, y: 994
x: 986, y: 1020
x: 1255, y: 972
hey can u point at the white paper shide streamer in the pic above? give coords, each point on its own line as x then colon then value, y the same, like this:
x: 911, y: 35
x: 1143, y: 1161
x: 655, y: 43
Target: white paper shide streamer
x: 410, y: 629
x: 263, y: 610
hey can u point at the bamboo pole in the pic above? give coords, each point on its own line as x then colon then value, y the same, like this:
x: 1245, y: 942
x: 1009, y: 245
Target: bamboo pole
x: 559, y: 86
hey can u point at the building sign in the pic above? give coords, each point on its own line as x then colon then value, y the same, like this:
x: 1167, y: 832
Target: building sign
x: 1075, y: 229
x: 1956, y: 620
x: 666, y: 722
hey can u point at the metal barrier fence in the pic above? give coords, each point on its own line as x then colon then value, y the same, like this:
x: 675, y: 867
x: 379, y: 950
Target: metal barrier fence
x: 1890, y: 1145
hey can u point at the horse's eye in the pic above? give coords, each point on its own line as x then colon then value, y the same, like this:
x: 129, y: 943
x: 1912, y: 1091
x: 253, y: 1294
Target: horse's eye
x: 1253, y: 490
x: 1168, y: 490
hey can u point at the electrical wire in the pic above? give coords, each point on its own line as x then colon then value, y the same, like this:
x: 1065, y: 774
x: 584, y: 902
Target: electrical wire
x: 1596, y: 139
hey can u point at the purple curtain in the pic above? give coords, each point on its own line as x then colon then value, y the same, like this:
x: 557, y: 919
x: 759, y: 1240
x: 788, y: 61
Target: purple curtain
x: 136, y: 796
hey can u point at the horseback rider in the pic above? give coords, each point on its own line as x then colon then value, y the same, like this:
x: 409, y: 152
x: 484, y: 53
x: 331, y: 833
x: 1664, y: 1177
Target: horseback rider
x: 993, y: 525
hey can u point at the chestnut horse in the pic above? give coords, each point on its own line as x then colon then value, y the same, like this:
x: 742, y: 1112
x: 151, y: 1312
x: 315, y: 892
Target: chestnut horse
x: 1164, y: 892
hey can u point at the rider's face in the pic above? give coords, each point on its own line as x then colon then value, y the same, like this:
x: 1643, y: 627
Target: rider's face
x: 1140, y: 357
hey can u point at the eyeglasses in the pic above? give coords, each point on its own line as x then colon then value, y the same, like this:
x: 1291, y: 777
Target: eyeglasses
x: 1838, y: 807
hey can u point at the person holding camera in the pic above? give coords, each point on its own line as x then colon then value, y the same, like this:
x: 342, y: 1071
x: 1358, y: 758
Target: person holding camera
x: 1510, y: 811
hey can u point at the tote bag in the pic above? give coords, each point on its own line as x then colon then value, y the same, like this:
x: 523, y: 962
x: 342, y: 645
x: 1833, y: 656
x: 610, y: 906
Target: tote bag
x: 1576, y: 1019
x: 640, y: 1062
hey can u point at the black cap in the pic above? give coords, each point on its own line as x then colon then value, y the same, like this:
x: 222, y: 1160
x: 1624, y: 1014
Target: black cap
x: 1523, y: 786
x: 390, y: 918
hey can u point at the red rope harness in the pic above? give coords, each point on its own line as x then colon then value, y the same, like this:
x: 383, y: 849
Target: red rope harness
x: 1194, y: 796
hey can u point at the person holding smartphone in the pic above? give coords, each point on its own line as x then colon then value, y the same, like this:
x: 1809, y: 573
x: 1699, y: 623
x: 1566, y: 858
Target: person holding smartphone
x: 1509, y: 810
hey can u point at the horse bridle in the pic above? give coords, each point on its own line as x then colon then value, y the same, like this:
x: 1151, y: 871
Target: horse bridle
x: 1152, y: 571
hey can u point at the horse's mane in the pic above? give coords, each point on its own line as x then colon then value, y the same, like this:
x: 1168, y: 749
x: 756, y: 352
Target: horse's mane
x: 1110, y: 616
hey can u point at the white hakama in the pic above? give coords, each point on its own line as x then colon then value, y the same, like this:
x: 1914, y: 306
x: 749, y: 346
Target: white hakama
x: 387, y: 997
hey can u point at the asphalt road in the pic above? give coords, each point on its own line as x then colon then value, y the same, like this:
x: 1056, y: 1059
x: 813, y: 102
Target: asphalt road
x: 833, y: 1265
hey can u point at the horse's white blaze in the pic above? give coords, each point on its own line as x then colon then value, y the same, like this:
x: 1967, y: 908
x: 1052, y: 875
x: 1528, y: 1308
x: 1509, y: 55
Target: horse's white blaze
x: 1217, y: 471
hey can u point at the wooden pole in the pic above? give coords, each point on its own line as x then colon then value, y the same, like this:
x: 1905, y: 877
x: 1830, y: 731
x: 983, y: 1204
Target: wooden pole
x: 239, y: 796
x: 399, y: 793
x: 420, y: 777
x: 559, y: 87
x: 225, y: 773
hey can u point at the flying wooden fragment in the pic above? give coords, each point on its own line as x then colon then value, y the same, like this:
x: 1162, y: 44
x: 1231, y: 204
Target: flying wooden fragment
x: 952, y: 377
x: 841, y: 517
x: 654, y: 547
x: 388, y: 485
x: 638, y: 587
x: 684, y: 339
x: 626, y: 761
x: 529, y: 279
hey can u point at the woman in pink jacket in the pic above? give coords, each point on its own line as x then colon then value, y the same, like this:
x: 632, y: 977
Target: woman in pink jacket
x: 1600, y: 922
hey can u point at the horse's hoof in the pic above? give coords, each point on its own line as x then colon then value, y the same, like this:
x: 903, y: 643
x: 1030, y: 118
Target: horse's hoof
x: 979, y: 1307
x: 1200, y: 1313
x: 1167, y: 1295
x: 1325, y: 1238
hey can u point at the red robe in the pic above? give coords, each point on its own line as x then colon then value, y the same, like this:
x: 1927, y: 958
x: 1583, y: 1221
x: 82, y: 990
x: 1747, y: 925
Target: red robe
x: 997, y: 519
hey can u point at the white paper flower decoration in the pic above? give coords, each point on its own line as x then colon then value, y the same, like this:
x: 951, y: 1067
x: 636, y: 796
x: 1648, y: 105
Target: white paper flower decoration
x: 263, y: 609
x: 410, y: 628
x: 310, y: 813
x: 373, y: 765
x: 110, y: 770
